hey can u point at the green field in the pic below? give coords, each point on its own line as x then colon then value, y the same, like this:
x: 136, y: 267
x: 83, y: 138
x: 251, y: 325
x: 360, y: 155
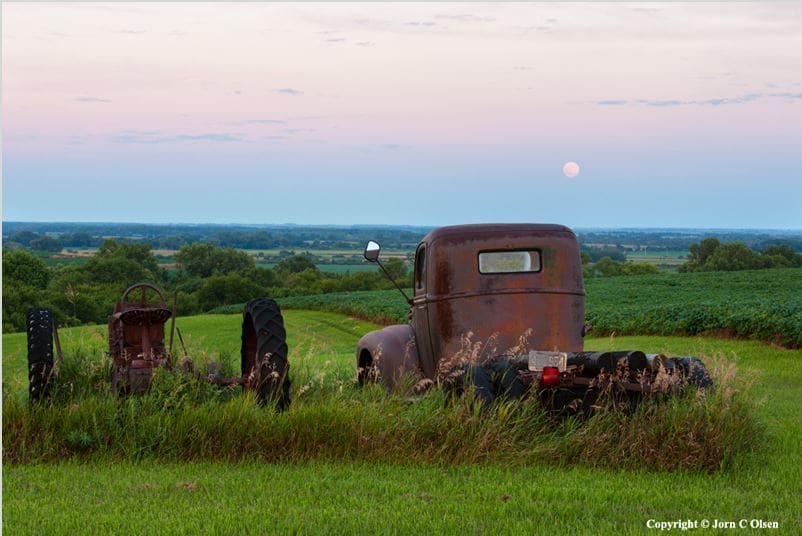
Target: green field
x: 335, y: 268
x: 659, y: 258
x: 109, y: 495
x: 757, y: 304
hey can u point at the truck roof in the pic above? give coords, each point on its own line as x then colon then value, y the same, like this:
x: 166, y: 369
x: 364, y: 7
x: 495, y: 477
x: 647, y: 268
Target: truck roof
x: 482, y: 230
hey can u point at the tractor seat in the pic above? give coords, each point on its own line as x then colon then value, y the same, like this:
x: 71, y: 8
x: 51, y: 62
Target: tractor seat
x: 150, y: 316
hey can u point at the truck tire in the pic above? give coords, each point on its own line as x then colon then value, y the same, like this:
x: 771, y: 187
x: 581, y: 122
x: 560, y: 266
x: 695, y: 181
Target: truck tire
x: 264, y: 353
x: 40, y: 353
x: 491, y: 381
x: 694, y: 372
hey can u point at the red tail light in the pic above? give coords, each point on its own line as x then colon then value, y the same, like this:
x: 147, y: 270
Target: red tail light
x: 550, y: 377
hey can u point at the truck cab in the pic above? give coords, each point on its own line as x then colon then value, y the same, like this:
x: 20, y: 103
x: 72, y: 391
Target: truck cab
x: 490, y: 289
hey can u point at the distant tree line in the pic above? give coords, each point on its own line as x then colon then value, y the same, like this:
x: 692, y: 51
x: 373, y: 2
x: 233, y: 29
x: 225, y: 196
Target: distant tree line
x: 208, y: 276
x: 55, y: 236
x: 711, y: 255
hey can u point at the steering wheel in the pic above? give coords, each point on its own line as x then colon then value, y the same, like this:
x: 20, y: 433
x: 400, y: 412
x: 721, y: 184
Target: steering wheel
x: 143, y: 287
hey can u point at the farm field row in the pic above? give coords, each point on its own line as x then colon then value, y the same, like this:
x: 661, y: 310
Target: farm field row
x: 108, y: 496
x: 758, y: 304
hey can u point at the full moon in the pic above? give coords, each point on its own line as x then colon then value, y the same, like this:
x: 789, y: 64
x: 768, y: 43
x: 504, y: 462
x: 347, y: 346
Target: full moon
x: 571, y: 169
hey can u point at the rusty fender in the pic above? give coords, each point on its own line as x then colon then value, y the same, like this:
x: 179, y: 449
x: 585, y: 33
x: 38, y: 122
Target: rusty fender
x: 391, y: 351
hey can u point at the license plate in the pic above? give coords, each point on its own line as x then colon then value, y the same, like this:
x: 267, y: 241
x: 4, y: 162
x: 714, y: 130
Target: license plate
x: 539, y: 359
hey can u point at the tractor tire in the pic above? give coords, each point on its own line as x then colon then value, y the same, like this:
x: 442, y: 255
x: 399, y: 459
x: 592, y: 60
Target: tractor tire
x: 264, y: 353
x: 40, y: 353
x: 694, y: 371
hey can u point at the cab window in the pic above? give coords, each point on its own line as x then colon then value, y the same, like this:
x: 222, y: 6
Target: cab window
x: 509, y: 261
x: 420, y: 267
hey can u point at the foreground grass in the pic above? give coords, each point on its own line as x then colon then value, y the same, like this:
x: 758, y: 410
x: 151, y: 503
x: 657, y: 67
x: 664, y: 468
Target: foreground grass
x: 326, y: 498
x: 110, y: 495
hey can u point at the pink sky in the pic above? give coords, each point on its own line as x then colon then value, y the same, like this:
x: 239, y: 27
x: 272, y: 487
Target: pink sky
x: 660, y: 95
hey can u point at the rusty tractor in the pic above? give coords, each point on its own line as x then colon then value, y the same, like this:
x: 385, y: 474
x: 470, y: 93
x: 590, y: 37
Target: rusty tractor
x: 501, y: 307
x: 137, y: 347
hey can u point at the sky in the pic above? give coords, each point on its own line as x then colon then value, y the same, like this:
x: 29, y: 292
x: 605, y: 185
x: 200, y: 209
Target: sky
x: 678, y: 115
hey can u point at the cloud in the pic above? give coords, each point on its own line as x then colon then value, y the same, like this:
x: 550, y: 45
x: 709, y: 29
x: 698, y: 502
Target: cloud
x: 298, y: 130
x: 130, y: 31
x: 420, y: 23
x: 365, y: 43
x: 467, y: 17
x: 706, y: 102
x: 87, y: 98
x: 395, y: 146
x: 787, y: 95
x: 335, y: 40
x: 157, y: 136
x: 664, y: 103
x: 718, y: 101
x: 288, y: 91
x: 264, y: 122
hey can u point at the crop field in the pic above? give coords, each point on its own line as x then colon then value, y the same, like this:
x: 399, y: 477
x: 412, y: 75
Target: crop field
x: 659, y: 258
x: 172, y: 476
x: 758, y: 304
x: 335, y: 268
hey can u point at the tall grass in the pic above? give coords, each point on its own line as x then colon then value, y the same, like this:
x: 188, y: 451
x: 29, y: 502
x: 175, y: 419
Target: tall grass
x: 184, y: 418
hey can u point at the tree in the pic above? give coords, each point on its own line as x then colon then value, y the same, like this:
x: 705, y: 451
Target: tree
x: 294, y: 265
x: 396, y: 269
x: 22, y: 267
x: 46, y: 243
x: 204, y: 260
x: 123, y: 264
x: 732, y: 256
x: 783, y: 251
x: 227, y: 289
x: 139, y: 253
x: 699, y: 254
x: 607, y: 267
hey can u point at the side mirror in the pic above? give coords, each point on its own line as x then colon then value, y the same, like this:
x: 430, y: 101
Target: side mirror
x: 372, y: 251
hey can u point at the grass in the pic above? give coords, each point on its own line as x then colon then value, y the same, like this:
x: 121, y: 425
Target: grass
x: 349, y: 493
x: 347, y: 498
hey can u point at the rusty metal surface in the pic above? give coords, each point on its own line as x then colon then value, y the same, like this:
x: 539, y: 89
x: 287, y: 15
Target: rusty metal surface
x: 136, y: 338
x: 389, y: 353
x: 455, y: 304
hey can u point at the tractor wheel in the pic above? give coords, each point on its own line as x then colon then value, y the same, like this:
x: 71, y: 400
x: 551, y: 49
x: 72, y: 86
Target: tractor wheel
x: 40, y: 353
x: 695, y: 372
x: 264, y: 353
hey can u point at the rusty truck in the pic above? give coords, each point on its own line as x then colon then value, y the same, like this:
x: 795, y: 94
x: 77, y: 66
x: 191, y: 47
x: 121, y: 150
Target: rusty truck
x: 502, y: 306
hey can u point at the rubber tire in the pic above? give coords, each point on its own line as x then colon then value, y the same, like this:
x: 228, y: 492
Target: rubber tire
x: 491, y: 381
x: 695, y: 372
x: 263, y: 334
x: 39, y: 323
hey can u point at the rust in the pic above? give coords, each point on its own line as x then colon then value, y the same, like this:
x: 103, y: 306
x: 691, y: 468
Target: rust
x: 136, y: 338
x: 510, y: 294
x: 458, y: 299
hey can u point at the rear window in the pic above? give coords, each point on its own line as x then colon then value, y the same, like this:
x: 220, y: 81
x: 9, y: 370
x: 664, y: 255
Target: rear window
x: 506, y: 262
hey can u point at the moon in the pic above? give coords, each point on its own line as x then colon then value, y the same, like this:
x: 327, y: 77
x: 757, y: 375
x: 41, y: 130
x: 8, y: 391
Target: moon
x: 571, y: 169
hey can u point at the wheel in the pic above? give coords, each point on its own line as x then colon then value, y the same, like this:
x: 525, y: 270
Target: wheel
x: 40, y: 353
x: 695, y: 372
x: 491, y: 381
x: 264, y: 353
x: 367, y: 370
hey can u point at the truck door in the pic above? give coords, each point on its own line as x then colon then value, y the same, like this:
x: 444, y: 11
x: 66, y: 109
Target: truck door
x: 420, y: 313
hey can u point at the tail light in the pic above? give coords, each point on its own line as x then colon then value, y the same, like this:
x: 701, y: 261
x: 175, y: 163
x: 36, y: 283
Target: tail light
x: 550, y: 377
